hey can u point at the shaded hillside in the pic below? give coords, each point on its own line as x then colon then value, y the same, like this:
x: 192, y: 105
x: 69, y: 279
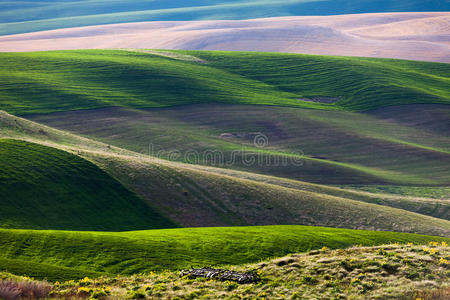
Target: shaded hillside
x: 46, y: 188
x: 26, y: 16
x: 202, y: 196
x: 332, y: 147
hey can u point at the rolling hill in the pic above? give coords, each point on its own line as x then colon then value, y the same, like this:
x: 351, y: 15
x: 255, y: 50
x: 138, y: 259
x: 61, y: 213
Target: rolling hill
x: 414, y: 36
x: 63, y: 255
x: 192, y: 195
x: 191, y: 93
x: 99, y: 180
x: 333, y: 147
x: 26, y: 16
x: 46, y: 188
x: 44, y: 82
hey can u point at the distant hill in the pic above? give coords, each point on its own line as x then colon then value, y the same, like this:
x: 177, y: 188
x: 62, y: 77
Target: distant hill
x: 27, y: 16
x: 46, y: 188
x: 415, y: 36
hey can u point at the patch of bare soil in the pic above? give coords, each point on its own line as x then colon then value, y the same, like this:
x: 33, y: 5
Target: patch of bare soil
x: 327, y: 100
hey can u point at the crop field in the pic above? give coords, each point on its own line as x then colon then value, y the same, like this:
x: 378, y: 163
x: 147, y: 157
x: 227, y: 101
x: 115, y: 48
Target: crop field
x: 26, y: 16
x: 187, y: 194
x: 105, y: 192
x: 332, y: 146
x: 73, y: 80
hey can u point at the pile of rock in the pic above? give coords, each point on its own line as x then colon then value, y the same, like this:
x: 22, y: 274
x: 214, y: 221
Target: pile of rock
x: 223, y: 275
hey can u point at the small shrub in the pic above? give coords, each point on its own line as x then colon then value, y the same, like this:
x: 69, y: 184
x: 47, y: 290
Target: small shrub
x: 99, y: 294
x: 412, y: 275
x: 231, y: 286
x: 85, y: 282
x: 136, y: 295
x: 367, y: 286
x: 430, y: 277
x: 309, y: 280
x: 390, y: 268
x: 193, y: 295
x: 9, y: 290
x: 24, y: 289
x: 30, y: 289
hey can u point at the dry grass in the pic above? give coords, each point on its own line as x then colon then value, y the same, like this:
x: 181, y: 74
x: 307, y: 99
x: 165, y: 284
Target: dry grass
x: 391, y: 271
x: 24, y: 289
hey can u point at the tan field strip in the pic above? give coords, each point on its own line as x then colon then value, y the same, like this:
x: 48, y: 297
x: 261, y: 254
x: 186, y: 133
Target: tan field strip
x: 416, y: 36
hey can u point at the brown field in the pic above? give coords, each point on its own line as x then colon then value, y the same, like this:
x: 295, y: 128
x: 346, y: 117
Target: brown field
x: 416, y: 36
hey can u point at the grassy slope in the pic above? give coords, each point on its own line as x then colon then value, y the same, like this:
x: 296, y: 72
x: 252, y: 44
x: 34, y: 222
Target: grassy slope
x: 46, y: 188
x: 202, y: 196
x: 355, y: 273
x: 24, y: 16
x: 364, y: 83
x: 337, y: 147
x: 70, y: 80
x: 134, y: 252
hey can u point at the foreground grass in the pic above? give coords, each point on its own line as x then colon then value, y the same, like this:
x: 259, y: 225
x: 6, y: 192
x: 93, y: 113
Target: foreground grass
x: 172, y: 249
x: 104, y: 78
x: 391, y: 271
x: 46, y: 188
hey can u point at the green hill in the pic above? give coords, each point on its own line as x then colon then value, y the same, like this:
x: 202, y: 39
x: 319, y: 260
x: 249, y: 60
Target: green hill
x: 172, y: 249
x: 193, y: 195
x: 43, y: 82
x: 25, y: 16
x: 333, y: 147
x: 46, y: 188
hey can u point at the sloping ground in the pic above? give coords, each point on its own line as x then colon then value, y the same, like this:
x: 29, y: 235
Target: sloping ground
x: 384, y: 272
x: 332, y: 147
x: 414, y: 36
x: 43, y: 82
x: 203, y: 196
x: 433, y: 118
x: 46, y: 188
x: 173, y: 249
x: 26, y: 16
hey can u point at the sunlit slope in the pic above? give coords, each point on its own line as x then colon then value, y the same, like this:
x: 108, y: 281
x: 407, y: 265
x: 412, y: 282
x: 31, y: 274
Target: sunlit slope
x: 361, y: 83
x: 46, y: 188
x: 52, y: 255
x: 202, y: 196
x: 25, y: 16
x: 42, y: 82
